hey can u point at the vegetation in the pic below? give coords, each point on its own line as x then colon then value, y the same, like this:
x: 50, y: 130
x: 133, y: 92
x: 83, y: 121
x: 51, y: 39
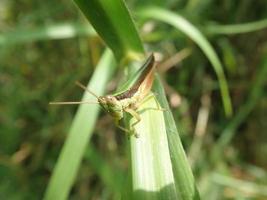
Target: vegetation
x: 212, y: 69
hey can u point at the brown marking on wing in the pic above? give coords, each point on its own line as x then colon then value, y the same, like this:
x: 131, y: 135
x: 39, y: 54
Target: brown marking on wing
x: 144, y: 83
x: 127, y: 94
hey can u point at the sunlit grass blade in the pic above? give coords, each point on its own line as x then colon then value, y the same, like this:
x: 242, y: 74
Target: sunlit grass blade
x: 56, y: 31
x: 81, y: 129
x: 186, y: 27
x: 236, y: 28
x: 115, y: 26
x: 152, y: 171
x: 184, y: 180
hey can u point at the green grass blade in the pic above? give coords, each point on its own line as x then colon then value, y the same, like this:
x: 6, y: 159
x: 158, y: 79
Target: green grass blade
x: 186, y: 27
x: 81, y: 129
x: 57, y: 31
x: 152, y: 172
x: 236, y: 28
x: 113, y: 23
x: 160, y: 169
x: 183, y: 176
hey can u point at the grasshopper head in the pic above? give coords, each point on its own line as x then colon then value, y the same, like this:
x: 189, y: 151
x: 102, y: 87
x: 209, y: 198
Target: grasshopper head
x: 111, y: 105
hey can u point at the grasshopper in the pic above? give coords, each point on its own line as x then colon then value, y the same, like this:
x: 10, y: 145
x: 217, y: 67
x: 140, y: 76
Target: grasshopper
x: 133, y: 93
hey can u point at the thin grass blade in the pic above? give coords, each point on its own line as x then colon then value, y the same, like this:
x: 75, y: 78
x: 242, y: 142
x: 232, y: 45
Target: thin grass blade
x: 256, y: 92
x: 80, y: 132
x: 51, y: 32
x: 186, y: 27
x: 231, y: 29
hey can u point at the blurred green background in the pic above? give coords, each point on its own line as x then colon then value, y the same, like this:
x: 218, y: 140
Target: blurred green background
x: 45, y: 46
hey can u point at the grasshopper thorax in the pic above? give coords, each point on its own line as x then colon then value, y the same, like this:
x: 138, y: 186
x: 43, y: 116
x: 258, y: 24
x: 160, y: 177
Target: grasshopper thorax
x: 111, y: 105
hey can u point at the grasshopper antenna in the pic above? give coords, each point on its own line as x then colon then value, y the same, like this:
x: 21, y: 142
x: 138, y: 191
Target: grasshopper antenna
x: 71, y: 102
x: 86, y: 89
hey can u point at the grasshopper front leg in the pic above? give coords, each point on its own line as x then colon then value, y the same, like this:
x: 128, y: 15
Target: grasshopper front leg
x: 127, y: 131
x: 136, y: 116
x: 120, y: 127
